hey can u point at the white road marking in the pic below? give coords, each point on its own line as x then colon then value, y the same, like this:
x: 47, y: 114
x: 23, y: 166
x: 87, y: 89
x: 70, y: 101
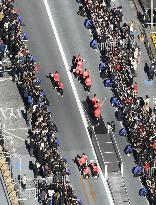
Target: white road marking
x: 4, y: 79
x: 14, y: 136
x: 75, y: 92
x: 111, y: 162
x: 12, y: 113
x: 108, y: 152
x: 9, y: 135
x: 22, y: 128
x: 154, y: 100
x: 9, y: 113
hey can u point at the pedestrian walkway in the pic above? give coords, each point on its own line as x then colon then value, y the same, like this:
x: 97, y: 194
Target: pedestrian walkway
x: 139, y: 6
x: 12, y: 113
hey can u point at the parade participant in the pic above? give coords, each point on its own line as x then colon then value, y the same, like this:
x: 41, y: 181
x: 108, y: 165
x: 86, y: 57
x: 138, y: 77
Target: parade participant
x: 86, y: 74
x: 94, y: 169
x: 97, y: 115
x: 82, y: 161
x: 78, y: 73
x: 79, y: 61
x: 94, y: 99
x: 86, y: 172
x: 55, y: 79
x: 87, y: 84
x: 60, y: 88
x: 98, y: 105
x: 78, y: 70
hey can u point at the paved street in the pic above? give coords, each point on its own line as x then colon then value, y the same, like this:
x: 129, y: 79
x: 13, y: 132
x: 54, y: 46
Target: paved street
x: 65, y: 111
x: 76, y: 41
x: 74, y: 139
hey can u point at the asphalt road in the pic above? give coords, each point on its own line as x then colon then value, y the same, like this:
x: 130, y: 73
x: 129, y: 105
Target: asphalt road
x: 65, y: 111
x: 75, y: 39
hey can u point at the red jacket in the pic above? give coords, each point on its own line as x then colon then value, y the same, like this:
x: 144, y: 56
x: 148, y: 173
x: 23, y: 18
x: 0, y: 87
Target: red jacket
x: 86, y: 171
x: 61, y: 85
x: 56, y: 77
x: 95, y: 168
x: 97, y: 113
x: 94, y: 100
x: 86, y: 74
x: 88, y: 82
x: 79, y: 71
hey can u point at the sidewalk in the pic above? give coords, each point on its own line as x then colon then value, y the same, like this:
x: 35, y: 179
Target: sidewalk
x: 145, y: 88
x: 146, y: 31
x: 12, y: 113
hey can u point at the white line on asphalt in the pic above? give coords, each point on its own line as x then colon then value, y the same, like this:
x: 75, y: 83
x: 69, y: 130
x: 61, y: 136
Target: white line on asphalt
x: 111, y: 162
x: 117, y: 147
x: 22, y: 128
x: 4, y: 79
x: 108, y: 152
x: 10, y: 134
x: 108, y: 142
x: 74, y: 91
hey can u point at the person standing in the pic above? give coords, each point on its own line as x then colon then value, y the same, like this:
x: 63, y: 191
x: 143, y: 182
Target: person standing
x: 24, y: 181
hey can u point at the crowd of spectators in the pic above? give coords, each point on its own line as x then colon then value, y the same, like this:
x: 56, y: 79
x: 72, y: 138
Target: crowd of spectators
x: 42, y: 144
x: 118, y: 67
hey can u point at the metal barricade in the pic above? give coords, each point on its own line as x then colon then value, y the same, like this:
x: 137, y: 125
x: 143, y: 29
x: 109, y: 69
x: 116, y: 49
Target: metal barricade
x: 30, y: 192
x: 5, y: 68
